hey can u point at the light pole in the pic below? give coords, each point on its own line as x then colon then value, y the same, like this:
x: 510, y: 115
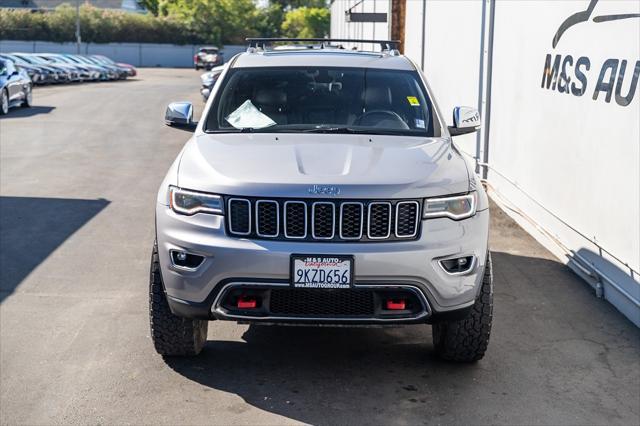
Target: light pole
x: 78, y: 39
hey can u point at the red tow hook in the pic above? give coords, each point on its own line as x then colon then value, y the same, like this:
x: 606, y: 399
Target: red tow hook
x: 395, y: 305
x: 245, y: 302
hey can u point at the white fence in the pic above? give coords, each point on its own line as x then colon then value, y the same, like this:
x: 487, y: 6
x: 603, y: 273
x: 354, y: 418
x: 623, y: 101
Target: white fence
x: 138, y: 54
x: 559, y: 94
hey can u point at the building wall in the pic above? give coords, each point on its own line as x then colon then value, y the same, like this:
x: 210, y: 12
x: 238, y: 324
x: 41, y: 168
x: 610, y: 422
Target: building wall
x: 565, y: 163
x: 137, y: 54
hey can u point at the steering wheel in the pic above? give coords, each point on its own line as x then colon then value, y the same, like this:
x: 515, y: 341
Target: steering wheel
x: 381, y: 118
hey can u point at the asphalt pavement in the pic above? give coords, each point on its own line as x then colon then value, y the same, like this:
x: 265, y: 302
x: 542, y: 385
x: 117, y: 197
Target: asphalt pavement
x: 78, y: 178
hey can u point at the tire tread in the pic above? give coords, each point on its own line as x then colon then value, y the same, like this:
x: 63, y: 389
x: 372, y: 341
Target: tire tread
x: 172, y: 335
x: 467, y: 340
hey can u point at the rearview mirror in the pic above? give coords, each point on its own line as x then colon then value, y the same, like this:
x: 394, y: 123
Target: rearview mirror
x: 179, y: 114
x: 465, y: 120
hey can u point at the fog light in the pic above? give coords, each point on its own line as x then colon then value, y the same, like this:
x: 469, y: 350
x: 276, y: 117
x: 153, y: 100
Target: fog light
x: 459, y: 265
x: 185, y: 260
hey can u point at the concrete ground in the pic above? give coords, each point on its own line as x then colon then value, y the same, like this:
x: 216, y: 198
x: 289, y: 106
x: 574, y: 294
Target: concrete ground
x: 79, y: 173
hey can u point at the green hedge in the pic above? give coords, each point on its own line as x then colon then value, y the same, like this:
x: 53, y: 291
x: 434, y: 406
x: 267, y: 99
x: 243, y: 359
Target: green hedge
x: 97, y: 26
x: 180, y: 22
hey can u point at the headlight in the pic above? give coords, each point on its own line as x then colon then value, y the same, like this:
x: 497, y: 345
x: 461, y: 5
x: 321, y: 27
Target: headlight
x: 456, y: 208
x: 190, y: 202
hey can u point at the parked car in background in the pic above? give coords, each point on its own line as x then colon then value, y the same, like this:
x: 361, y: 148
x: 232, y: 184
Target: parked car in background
x: 60, y: 74
x: 115, y: 72
x: 83, y: 72
x: 45, y: 68
x: 15, y: 87
x: 36, y: 74
x: 104, y: 73
x: 130, y: 69
x: 207, y: 58
x: 209, y: 79
x: 71, y: 73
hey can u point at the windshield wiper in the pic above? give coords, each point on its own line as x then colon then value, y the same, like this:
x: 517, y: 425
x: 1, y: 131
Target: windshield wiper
x: 332, y: 130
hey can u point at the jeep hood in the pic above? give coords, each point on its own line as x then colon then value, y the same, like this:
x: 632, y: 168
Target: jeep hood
x: 287, y: 165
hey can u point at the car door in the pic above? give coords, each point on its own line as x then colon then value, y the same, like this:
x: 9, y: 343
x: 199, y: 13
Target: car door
x: 24, y: 82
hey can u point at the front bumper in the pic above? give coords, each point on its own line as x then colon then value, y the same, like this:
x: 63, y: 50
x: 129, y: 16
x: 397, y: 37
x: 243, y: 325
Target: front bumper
x: 261, y: 264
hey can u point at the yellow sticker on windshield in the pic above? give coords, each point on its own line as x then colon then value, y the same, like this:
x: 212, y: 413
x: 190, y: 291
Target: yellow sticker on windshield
x: 413, y: 100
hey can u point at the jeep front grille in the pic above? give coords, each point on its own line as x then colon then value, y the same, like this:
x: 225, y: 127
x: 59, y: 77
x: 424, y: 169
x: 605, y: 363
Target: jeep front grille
x: 323, y: 220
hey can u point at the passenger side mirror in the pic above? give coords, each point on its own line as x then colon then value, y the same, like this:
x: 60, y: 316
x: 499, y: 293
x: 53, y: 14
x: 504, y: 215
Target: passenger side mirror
x: 180, y: 114
x: 465, y: 120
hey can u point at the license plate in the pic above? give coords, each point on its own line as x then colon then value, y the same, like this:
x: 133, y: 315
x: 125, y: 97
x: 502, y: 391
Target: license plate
x: 321, y: 271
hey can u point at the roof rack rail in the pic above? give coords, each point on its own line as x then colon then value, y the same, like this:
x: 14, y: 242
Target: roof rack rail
x: 263, y: 43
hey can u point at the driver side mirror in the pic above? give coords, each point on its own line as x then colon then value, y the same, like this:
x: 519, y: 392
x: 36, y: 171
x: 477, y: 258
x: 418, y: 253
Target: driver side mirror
x: 465, y: 120
x: 180, y: 114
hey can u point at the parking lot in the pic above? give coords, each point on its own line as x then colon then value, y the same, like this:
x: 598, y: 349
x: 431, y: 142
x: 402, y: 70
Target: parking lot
x: 78, y: 178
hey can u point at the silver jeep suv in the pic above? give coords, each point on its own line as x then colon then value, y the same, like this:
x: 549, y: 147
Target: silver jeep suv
x: 321, y: 186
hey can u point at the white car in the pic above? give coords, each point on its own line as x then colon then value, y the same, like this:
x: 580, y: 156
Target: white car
x: 322, y: 187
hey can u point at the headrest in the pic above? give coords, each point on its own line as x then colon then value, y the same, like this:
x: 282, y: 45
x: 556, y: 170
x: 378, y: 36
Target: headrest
x: 270, y: 97
x: 377, y: 96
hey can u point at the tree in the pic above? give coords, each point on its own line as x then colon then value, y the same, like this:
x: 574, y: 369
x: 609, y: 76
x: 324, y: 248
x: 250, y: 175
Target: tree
x: 268, y: 20
x: 218, y: 21
x: 294, y: 4
x: 306, y: 22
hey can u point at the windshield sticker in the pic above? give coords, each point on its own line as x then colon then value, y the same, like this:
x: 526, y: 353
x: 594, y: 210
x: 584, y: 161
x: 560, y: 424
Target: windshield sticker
x: 419, y: 123
x: 248, y: 116
x: 413, y: 101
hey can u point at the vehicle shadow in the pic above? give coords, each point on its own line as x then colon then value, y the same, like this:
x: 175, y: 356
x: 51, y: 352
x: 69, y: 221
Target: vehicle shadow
x: 392, y: 376
x: 28, y: 112
x: 32, y: 228
x: 320, y: 375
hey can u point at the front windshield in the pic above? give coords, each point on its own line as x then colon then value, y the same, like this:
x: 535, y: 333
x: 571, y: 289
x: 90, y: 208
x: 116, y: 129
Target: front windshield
x: 103, y: 59
x: 322, y: 99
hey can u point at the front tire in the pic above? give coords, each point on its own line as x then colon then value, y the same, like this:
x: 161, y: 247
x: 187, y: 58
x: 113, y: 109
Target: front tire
x: 28, y: 98
x: 4, y: 102
x: 171, y: 335
x: 466, y: 340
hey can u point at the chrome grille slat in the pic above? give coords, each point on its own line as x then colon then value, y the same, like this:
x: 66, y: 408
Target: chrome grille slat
x: 238, y: 207
x: 321, y: 223
x: 346, y: 220
x: 406, y: 219
x: 293, y: 227
x: 267, y: 219
x: 379, y: 219
x: 324, y: 220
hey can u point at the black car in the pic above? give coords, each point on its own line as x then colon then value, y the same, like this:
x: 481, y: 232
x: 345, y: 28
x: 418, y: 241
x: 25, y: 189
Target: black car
x: 208, y: 57
x: 15, y: 87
